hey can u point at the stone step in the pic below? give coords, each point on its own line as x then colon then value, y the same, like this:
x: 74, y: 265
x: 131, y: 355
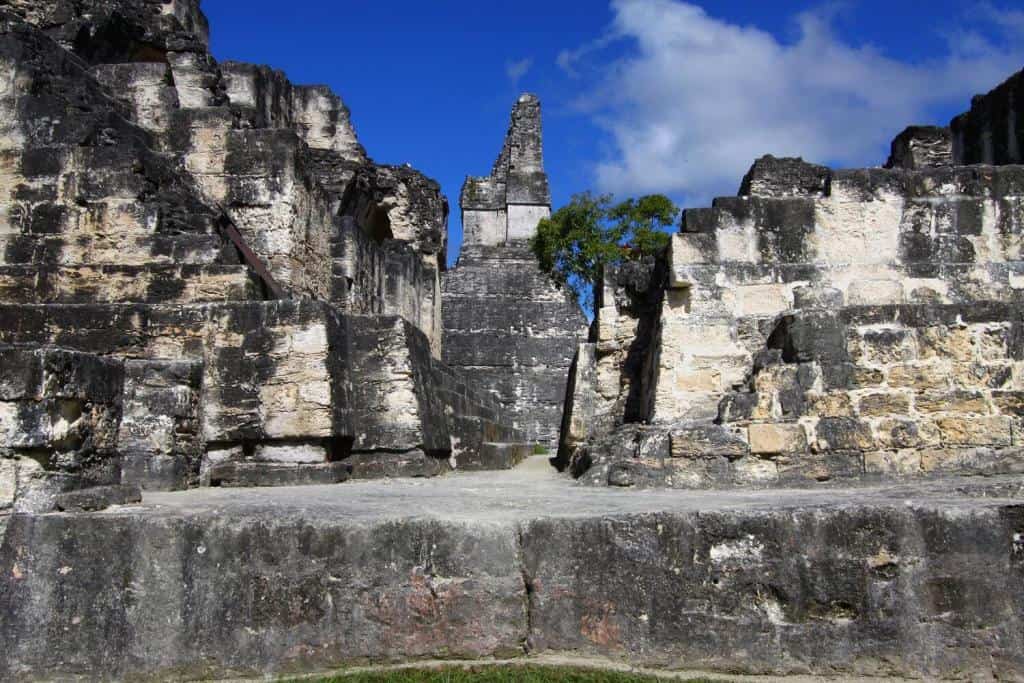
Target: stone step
x: 259, y: 474
x: 829, y: 582
x: 131, y: 249
x: 495, y: 456
x: 384, y: 465
x: 46, y: 284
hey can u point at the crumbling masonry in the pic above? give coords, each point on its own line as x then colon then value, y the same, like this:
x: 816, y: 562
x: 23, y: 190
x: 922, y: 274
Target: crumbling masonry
x: 215, y: 308
x: 204, y: 279
x: 507, y: 326
x: 823, y: 326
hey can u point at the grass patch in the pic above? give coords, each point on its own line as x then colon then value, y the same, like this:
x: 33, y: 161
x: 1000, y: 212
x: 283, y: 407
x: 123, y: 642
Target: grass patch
x: 496, y: 674
x: 540, y: 450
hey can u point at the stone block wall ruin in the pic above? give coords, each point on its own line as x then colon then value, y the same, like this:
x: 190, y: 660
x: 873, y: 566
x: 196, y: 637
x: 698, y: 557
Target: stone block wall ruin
x: 506, y: 323
x: 823, y: 325
x: 204, y: 279
x: 207, y: 286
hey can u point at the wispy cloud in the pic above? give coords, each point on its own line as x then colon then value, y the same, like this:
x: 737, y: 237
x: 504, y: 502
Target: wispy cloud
x: 697, y: 98
x: 515, y: 70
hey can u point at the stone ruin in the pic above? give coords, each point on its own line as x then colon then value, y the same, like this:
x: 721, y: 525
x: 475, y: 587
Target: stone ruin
x: 205, y: 280
x: 822, y: 326
x: 212, y: 300
x: 507, y: 326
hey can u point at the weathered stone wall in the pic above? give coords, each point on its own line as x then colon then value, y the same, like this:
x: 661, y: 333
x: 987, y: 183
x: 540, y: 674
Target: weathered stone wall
x: 510, y: 330
x: 59, y: 416
x: 882, y: 583
x: 385, y: 278
x: 919, y: 251
x: 151, y: 199
x: 506, y: 325
x: 876, y: 237
x: 992, y: 132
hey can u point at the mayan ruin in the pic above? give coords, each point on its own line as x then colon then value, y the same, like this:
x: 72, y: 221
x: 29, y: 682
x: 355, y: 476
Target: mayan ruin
x: 259, y: 417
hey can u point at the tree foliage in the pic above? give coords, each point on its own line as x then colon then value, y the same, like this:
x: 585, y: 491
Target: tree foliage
x: 590, y: 233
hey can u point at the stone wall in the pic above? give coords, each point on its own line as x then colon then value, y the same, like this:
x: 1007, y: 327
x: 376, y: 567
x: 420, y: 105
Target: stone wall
x: 507, y: 326
x: 918, y: 251
x: 59, y: 417
x: 507, y: 205
x: 884, y: 583
x: 509, y: 329
x: 212, y: 232
x: 992, y: 132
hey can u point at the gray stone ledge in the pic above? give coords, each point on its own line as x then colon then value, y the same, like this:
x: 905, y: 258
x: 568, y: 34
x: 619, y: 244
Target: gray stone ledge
x: 902, y: 579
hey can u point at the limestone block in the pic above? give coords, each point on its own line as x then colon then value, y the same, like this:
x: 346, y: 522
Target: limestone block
x: 689, y: 380
x: 581, y: 392
x: 952, y: 402
x: 687, y: 249
x: 918, y: 376
x: 829, y: 404
x: 849, y: 230
x: 975, y: 431
x: 991, y: 342
x: 763, y: 300
x: 158, y: 437
x: 784, y: 177
x: 875, y: 292
x: 822, y: 467
x: 96, y: 498
x: 960, y: 459
x: 980, y: 375
x: 905, y: 432
x: 947, y: 343
x: 324, y: 122
x: 1009, y: 402
x: 707, y: 442
x: 901, y: 463
x: 806, y: 296
x: 876, y: 404
x: 196, y: 79
x: 218, y: 455
x: 753, y: 471
x: 882, y: 346
x: 523, y: 220
x: 8, y: 483
x: 147, y: 86
x: 295, y: 453
x: 777, y: 438
x: 843, y: 434
x: 919, y: 147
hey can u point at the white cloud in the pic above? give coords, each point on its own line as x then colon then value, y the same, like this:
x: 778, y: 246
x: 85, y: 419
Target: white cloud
x: 696, y: 99
x: 516, y: 70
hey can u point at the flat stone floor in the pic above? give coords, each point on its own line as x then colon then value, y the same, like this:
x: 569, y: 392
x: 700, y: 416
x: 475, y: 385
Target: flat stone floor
x: 534, y: 490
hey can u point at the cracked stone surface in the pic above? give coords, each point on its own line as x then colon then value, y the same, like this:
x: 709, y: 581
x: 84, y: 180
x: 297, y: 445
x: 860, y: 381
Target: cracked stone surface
x: 884, y: 580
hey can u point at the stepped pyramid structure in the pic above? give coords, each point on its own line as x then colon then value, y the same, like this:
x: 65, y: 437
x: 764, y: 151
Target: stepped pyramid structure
x: 204, y: 279
x: 506, y: 324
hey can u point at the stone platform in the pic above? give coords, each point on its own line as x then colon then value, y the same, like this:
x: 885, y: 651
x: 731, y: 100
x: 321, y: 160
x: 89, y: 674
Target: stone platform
x: 895, y: 579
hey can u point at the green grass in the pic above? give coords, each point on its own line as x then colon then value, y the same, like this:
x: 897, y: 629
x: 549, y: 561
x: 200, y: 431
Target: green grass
x: 495, y: 674
x: 539, y: 449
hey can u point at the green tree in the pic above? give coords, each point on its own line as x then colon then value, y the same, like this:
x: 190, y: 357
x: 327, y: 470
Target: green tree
x: 590, y: 233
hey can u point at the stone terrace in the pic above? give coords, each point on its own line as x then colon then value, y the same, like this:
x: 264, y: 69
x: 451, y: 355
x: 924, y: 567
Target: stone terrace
x: 893, y: 580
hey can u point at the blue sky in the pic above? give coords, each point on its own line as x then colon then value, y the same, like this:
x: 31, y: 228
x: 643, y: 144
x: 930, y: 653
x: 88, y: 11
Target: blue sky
x: 639, y: 96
